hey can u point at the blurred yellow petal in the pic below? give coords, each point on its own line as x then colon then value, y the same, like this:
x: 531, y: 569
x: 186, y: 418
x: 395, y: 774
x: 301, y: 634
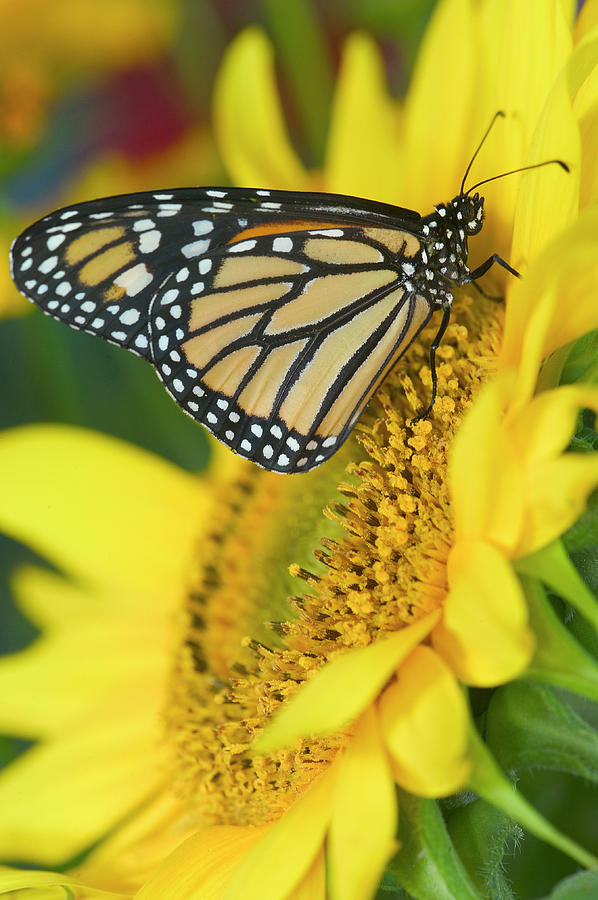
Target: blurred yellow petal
x: 22, y: 884
x: 554, y: 303
x: 277, y: 864
x: 424, y: 721
x: 113, y: 764
x: 343, y: 688
x: 131, y: 853
x: 586, y: 20
x: 484, y: 635
x: 55, y: 683
x: 528, y: 46
x: 101, y: 509
x: 249, y: 123
x: 69, y: 33
x: 49, y: 600
x: 436, y: 138
x: 202, y: 865
x: 361, y: 838
x: 559, y: 490
x: 486, y: 477
x: 363, y: 152
x: 585, y: 108
x: 544, y: 430
x: 547, y: 204
x: 313, y: 884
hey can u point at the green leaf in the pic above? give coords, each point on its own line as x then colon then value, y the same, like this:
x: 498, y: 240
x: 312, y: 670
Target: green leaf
x: 581, y: 886
x: 583, y: 534
x: 528, y: 726
x: 581, y: 357
x: 483, y: 836
x: 490, y: 783
x: 559, y: 659
x: 553, y: 567
x: 427, y: 864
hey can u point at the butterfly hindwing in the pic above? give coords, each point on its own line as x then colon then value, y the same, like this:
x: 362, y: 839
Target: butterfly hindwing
x: 281, y: 342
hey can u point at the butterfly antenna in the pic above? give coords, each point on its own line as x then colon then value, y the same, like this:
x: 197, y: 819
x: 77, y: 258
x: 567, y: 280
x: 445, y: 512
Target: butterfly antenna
x: 547, y: 162
x: 498, y: 114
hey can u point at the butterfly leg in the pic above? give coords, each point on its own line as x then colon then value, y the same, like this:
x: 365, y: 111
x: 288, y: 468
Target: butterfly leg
x: 481, y: 270
x: 446, y: 315
x: 495, y: 258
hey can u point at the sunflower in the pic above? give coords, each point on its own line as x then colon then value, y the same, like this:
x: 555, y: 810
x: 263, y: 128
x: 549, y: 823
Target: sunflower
x: 238, y: 744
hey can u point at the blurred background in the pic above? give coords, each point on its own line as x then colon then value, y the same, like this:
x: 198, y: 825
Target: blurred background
x: 101, y: 97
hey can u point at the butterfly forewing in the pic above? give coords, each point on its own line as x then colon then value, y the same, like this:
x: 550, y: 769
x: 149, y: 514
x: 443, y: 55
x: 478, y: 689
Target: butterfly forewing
x: 269, y: 316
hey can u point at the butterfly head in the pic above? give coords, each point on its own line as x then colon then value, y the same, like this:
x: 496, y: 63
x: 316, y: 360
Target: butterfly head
x: 468, y: 210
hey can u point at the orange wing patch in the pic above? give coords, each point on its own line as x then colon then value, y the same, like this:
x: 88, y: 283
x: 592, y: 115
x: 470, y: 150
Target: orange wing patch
x: 396, y: 241
x: 226, y: 376
x: 353, y: 392
x: 106, y: 264
x: 208, y: 308
x: 275, y: 228
x: 199, y: 350
x: 241, y: 269
x: 90, y: 243
x: 341, y: 252
x: 301, y: 406
x: 259, y: 395
x: 327, y: 295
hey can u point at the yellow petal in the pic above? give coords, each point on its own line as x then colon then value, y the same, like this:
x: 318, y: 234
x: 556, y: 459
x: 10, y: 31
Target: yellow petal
x: 554, y: 303
x: 544, y: 429
x: 424, y: 721
x: 585, y: 108
x: 587, y: 19
x: 363, y: 151
x: 525, y: 46
x: 248, y: 119
x: 436, y: 136
x: 90, y: 663
x: 483, y: 635
x: 60, y: 797
x: 558, y: 492
x: 361, y: 838
x: 49, y: 600
x: 343, y: 688
x: 130, y: 855
x: 202, y: 865
x: 485, y: 474
x: 98, y: 33
x: 49, y: 886
x: 557, y: 484
x: 313, y: 885
x: 102, y: 510
x: 284, y: 855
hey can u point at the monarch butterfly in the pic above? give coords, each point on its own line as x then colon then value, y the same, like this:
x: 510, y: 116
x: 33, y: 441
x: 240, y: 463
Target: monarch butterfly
x: 269, y: 316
